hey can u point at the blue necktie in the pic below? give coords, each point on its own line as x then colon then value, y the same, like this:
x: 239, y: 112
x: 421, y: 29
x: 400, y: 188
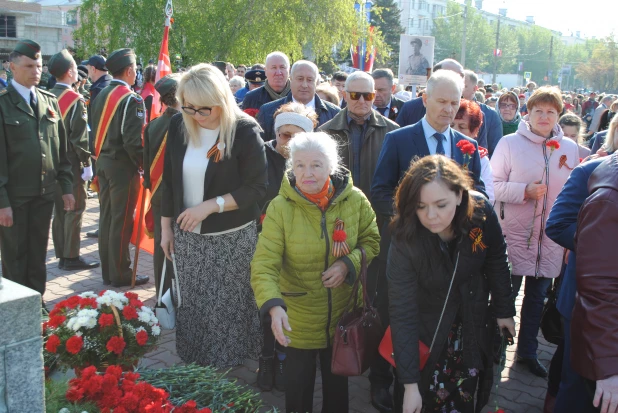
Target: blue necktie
x: 440, y: 148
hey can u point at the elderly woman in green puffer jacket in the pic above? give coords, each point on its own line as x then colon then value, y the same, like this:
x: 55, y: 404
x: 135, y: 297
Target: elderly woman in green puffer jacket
x: 306, y: 261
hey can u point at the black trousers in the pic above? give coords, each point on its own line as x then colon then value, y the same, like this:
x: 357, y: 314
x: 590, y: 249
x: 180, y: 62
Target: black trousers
x: 23, y: 247
x: 380, y: 374
x: 299, y: 373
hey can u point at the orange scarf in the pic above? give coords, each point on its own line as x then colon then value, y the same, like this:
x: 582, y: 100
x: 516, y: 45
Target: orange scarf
x: 322, y: 198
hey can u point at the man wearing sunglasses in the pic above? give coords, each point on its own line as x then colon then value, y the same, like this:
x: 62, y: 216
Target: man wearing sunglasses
x: 304, y: 77
x: 360, y: 132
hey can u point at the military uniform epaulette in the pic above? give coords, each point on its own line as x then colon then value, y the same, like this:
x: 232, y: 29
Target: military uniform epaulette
x: 4, y: 92
x: 137, y: 98
x: 45, y: 92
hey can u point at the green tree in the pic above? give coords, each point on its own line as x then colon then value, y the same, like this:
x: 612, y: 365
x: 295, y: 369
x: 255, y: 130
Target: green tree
x: 231, y: 30
x: 600, y: 71
x: 387, y: 18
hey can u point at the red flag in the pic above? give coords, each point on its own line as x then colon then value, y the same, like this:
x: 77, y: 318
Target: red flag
x: 164, y: 67
x: 146, y: 243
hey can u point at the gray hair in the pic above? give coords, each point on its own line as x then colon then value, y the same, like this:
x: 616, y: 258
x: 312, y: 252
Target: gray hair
x: 360, y: 75
x: 469, y: 74
x: 237, y: 81
x: 306, y: 63
x: 319, y: 142
x: 278, y: 54
x: 444, y: 76
x: 384, y: 73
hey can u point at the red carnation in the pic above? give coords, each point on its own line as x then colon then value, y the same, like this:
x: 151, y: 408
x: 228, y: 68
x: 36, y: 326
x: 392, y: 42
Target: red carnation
x: 131, y: 296
x: 116, y: 345
x: 106, y: 320
x: 262, y: 218
x: 74, y: 344
x: 483, y: 152
x: 141, y: 337
x: 115, y: 371
x: 466, y: 147
x: 74, y: 394
x: 102, y: 292
x: 252, y: 112
x: 56, y: 321
x: 553, y: 145
x: 88, y: 302
x: 339, y: 235
x: 129, y: 312
x: 52, y: 343
x: 73, y: 301
x: 136, y: 303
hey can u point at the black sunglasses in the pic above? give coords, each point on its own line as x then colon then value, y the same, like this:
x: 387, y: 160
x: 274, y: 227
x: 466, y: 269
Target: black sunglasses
x: 366, y: 95
x: 192, y: 111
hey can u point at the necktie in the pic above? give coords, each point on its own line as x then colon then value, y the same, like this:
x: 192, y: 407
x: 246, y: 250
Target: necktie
x: 32, y: 102
x: 440, y: 148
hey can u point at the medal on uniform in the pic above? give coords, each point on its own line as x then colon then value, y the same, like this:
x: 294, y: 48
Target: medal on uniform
x: 52, y: 114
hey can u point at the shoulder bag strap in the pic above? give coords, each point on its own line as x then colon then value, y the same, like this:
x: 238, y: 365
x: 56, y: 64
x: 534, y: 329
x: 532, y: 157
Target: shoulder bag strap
x: 161, y: 284
x: 445, y: 302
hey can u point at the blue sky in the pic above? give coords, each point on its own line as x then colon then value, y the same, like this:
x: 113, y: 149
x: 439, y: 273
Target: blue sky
x: 593, y: 18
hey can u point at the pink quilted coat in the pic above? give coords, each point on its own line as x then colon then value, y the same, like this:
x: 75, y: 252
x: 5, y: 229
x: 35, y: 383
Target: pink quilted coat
x: 519, y: 159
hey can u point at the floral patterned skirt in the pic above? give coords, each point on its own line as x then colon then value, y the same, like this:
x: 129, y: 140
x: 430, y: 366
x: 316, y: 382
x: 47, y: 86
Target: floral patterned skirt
x: 218, y: 322
x: 453, y: 385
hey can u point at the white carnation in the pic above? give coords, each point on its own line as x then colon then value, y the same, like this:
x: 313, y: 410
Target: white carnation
x: 144, y: 317
x: 156, y: 330
x: 88, y: 294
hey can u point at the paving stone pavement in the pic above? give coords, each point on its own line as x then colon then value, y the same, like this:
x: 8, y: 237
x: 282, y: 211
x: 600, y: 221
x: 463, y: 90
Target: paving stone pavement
x: 519, y: 390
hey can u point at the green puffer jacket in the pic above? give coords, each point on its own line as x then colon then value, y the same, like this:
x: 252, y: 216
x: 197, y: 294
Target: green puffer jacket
x: 292, y: 253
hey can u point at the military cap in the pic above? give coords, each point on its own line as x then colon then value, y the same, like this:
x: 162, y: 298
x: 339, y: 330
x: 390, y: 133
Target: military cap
x: 81, y: 75
x: 60, y: 63
x: 119, y: 59
x: 166, y: 84
x: 97, y: 61
x: 220, y: 65
x: 28, y: 48
x: 83, y: 68
x: 255, y: 76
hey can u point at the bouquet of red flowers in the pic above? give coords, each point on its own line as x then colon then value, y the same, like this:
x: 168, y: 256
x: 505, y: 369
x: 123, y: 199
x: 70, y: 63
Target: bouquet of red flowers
x: 98, y: 330
x: 123, y: 393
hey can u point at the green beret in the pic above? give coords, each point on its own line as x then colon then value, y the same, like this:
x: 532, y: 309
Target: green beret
x: 220, y: 65
x: 60, y: 63
x: 119, y: 59
x: 166, y: 84
x: 28, y: 48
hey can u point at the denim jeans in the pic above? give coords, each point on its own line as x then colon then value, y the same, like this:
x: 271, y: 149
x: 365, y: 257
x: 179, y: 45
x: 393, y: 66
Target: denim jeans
x: 530, y: 319
x: 573, y: 395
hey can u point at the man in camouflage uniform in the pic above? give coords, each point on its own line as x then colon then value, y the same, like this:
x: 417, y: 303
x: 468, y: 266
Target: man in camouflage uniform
x: 67, y: 225
x: 33, y: 166
x: 117, y: 119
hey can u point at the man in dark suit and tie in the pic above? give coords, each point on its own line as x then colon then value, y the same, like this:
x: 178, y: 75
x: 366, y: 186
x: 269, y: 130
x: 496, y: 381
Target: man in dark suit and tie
x: 385, y: 103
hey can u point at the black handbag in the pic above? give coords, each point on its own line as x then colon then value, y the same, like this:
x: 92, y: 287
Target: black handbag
x: 551, y: 322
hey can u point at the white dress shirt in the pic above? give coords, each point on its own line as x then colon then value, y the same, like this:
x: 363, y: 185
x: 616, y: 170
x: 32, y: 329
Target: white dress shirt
x: 432, y: 142
x: 24, y: 92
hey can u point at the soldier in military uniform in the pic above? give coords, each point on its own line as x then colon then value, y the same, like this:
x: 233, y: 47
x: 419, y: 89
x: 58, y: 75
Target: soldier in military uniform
x: 155, y: 140
x: 118, y: 115
x: 33, y: 165
x: 44, y: 83
x: 67, y: 225
x: 7, y: 67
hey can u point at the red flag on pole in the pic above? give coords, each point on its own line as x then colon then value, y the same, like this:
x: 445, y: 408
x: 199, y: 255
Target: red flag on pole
x: 164, y: 67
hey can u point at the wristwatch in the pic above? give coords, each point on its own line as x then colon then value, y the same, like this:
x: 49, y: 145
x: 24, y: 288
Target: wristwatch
x: 221, y: 203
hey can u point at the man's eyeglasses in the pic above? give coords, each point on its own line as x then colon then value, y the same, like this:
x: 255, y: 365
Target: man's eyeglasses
x: 507, y: 106
x: 366, y: 95
x: 192, y: 111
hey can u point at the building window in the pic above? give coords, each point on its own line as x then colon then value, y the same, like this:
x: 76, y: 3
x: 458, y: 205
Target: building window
x: 412, y: 5
x: 411, y: 24
x: 8, y: 27
x: 71, y: 17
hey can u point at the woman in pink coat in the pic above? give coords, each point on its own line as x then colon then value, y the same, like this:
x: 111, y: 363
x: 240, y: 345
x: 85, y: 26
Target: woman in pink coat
x: 530, y: 167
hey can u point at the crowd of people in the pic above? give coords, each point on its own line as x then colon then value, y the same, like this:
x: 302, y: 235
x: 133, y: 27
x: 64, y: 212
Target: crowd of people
x: 270, y: 182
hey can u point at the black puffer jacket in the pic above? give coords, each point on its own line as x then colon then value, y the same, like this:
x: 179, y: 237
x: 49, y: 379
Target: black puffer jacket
x: 276, y: 169
x: 418, y: 279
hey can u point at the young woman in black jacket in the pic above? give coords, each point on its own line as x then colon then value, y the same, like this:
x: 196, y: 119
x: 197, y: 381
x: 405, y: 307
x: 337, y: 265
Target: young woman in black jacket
x: 447, y: 247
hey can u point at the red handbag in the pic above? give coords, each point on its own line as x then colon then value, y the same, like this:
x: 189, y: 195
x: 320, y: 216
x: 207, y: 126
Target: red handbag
x: 358, y: 331
x: 386, y: 345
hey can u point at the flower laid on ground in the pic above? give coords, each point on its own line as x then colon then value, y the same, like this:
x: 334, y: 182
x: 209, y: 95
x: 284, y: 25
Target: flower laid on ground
x: 552, y: 146
x: 123, y: 393
x: 94, y: 330
x: 467, y: 149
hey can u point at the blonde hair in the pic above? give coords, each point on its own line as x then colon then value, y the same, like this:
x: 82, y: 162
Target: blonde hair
x: 329, y: 91
x: 611, y: 140
x: 205, y: 85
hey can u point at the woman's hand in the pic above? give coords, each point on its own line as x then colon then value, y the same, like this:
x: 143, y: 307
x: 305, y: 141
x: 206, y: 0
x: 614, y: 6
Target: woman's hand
x: 601, y: 152
x: 191, y: 217
x: 507, y: 323
x: 535, y: 190
x: 334, y: 276
x: 167, y: 237
x: 412, y: 400
x: 279, y: 322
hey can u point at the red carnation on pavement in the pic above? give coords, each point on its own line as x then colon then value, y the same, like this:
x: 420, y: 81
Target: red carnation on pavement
x: 88, y: 302
x: 74, y: 394
x: 116, y: 345
x: 339, y: 235
x: 73, y: 301
x: 102, y: 292
x: 74, y: 344
x: 106, y: 320
x: 141, y: 337
x: 115, y: 371
x: 129, y: 312
x: 52, y: 343
x: 136, y: 303
x: 131, y: 296
x: 56, y: 321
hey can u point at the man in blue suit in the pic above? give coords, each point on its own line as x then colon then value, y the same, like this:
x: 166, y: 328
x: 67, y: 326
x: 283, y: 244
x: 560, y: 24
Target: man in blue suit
x: 431, y: 135
x: 561, y: 227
